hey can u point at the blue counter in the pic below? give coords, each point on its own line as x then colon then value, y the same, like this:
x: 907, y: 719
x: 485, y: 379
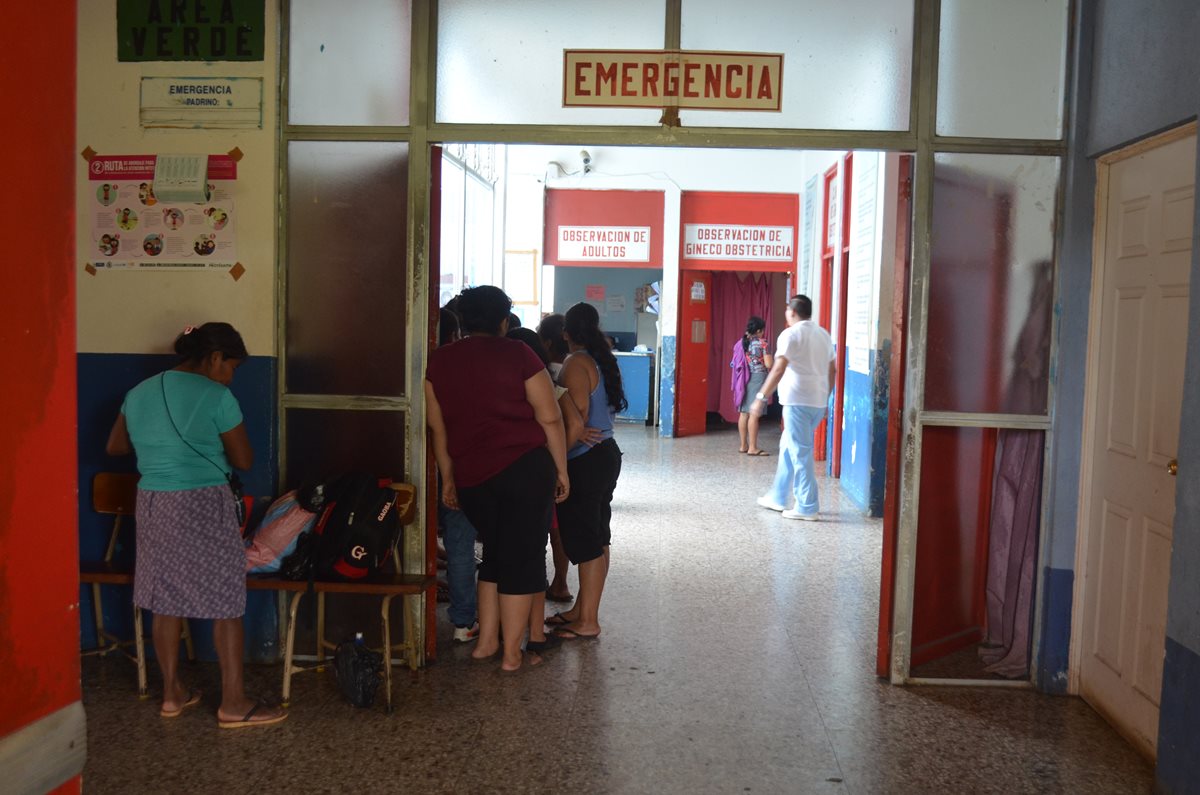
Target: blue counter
x: 637, y: 376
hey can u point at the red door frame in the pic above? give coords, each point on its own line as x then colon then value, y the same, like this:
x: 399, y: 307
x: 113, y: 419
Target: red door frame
x: 839, y: 389
x: 825, y: 310
x: 895, y: 426
x: 691, y: 378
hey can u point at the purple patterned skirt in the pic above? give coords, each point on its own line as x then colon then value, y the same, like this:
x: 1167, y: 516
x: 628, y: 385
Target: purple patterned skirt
x: 190, y: 557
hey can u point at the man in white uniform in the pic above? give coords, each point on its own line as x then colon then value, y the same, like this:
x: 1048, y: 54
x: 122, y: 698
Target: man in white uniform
x: 804, y: 369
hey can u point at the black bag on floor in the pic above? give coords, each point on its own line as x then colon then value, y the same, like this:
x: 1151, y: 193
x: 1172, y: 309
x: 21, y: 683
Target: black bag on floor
x: 358, y: 671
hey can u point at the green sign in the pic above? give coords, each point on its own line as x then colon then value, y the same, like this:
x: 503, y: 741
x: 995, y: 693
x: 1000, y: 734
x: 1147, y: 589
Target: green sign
x: 190, y: 30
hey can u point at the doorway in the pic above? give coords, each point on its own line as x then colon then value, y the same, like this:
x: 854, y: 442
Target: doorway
x: 1144, y: 218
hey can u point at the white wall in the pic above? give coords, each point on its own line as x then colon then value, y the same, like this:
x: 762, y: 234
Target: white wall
x: 140, y: 311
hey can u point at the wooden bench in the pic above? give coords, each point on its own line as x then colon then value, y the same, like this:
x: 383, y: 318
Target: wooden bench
x: 409, y: 586
x: 115, y: 494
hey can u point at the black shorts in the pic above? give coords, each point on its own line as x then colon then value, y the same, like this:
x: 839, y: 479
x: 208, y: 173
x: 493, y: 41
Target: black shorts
x: 584, y: 517
x: 511, y: 513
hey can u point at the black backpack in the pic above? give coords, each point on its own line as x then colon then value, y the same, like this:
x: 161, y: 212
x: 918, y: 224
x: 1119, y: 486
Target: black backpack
x: 354, y: 536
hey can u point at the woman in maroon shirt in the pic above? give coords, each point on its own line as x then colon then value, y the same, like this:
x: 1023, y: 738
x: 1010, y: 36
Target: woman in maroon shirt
x: 500, y: 447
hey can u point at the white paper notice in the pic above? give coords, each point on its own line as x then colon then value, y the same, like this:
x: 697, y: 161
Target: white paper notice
x: 181, y: 178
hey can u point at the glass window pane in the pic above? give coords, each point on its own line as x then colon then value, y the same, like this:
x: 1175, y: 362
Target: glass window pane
x: 348, y: 63
x: 846, y: 65
x: 1001, y: 68
x: 991, y: 283
x: 480, y: 245
x: 322, y: 443
x: 501, y: 63
x: 346, y: 267
x: 452, y: 228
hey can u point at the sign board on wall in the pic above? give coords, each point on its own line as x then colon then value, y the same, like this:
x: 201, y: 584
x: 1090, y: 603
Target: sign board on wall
x: 132, y: 228
x: 860, y: 292
x: 686, y: 79
x: 739, y: 231
x: 604, y: 243
x: 196, y: 30
x: 738, y: 243
x: 604, y: 228
x: 212, y: 102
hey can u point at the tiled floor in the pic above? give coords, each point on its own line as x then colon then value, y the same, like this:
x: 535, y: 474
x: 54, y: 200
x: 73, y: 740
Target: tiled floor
x: 737, y: 656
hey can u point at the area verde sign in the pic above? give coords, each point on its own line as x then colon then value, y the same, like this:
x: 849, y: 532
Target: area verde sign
x: 190, y: 30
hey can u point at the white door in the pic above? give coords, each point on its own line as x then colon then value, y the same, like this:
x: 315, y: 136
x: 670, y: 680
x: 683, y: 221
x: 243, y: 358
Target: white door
x: 1143, y: 258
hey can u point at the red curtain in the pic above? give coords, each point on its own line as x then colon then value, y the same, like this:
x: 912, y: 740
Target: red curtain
x: 736, y: 295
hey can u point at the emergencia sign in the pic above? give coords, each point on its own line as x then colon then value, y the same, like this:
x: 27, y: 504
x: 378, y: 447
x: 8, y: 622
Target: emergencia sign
x: 685, y: 79
x: 213, y: 102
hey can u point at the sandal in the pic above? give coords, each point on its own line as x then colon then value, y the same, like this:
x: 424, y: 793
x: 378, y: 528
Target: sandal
x: 249, y: 720
x: 573, y: 635
x: 558, y: 620
x: 566, y: 598
x: 757, y: 453
x: 552, y: 641
x: 193, y: 698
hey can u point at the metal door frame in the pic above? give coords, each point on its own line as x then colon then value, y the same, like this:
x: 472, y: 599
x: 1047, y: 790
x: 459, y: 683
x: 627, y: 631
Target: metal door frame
x: 920, y: 138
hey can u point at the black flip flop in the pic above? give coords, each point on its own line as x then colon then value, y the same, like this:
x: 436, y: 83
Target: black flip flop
x: 557, y: 620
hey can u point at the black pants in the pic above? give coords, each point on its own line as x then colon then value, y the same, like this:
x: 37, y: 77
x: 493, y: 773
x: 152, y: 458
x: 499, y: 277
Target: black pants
x: 584, y: 518
x: 511, y: 512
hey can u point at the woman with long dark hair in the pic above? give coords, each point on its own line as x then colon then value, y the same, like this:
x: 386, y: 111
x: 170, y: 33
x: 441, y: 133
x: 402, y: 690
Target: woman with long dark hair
x: 751, y: 362
x: 499, y: 444
x: 593, y: 382
x: 550, y: 331
x: 186, y: 428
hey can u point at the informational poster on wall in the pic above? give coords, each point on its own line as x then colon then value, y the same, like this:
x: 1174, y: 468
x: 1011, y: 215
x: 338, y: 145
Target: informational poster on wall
x: 132, y: 228
x: 860, y: 291
x: 807, y: 232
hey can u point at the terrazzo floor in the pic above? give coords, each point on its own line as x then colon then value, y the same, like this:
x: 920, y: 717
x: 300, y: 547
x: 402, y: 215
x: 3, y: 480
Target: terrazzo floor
x: 737, y: 656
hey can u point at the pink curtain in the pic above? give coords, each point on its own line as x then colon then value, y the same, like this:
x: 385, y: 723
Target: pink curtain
x: 735, y: 297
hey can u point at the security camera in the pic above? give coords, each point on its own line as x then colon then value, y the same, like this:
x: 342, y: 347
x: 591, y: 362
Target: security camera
x: 587, y: 159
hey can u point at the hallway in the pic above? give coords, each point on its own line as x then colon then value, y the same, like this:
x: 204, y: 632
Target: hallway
x: 737, y: 656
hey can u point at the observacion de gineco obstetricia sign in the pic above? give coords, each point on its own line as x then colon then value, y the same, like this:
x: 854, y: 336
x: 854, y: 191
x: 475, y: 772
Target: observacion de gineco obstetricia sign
x: 734, y: 242
x: 689, y: 79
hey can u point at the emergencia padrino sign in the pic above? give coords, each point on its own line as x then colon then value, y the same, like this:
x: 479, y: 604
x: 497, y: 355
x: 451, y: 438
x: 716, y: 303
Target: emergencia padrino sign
x: 685, y: 79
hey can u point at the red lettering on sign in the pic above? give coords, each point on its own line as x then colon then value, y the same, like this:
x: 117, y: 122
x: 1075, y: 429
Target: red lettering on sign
x: 579, y: 78
x: 650, y: 80
x: 712, y: 80
x: 608, y: 76
x: 672, y: 87
x: 764, y: 84
x: 627, y: 73
x: 689, y: 79
x: 732, y: 91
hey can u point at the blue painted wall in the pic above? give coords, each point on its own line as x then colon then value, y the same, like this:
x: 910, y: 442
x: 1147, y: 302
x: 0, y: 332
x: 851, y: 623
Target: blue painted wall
x: 666, y: 406
x: 103, y: 381
x: 864, y: 433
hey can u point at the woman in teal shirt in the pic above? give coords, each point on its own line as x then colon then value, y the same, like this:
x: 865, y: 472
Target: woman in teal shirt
x: 186, y: 428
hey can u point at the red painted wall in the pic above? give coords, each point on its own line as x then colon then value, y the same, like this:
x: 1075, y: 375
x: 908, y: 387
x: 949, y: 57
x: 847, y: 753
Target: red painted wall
x: 627, y: 208
x: 738, y: 209
x: 39, y: 588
